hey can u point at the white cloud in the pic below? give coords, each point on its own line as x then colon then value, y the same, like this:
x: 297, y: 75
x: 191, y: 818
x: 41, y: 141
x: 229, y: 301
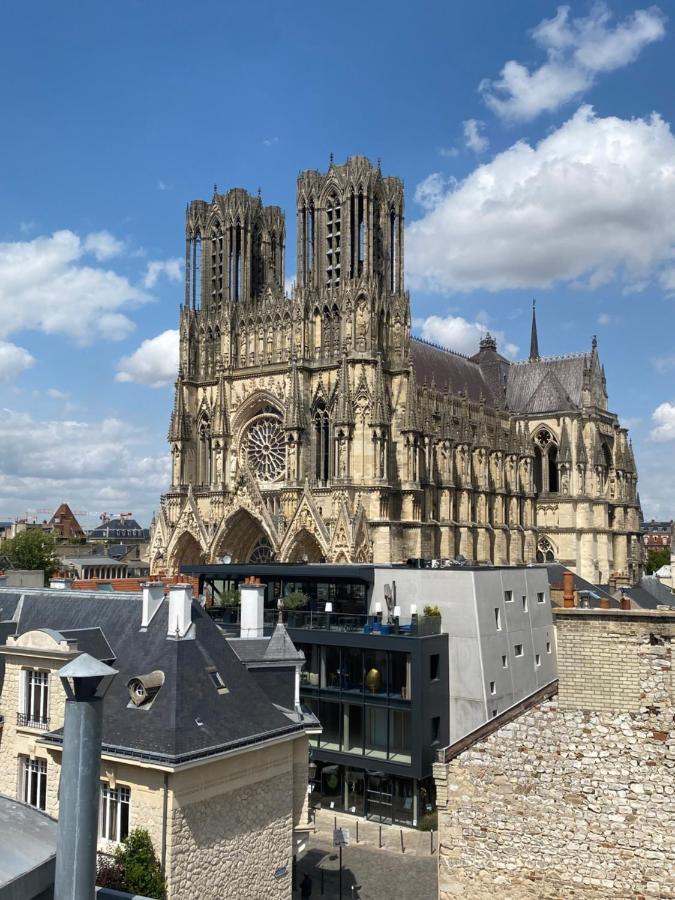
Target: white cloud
x: 448, y: 152
x: 56, y: 394
x: 664, y: 363
x: 577, y: 50
x: 664, y: 420
x: 473, y: 138
x: 270, y: 142
x: 13, y: 361
x: 163, y: 186
x: 595, y: 199
x: 460, y: 335
x: 154, y: 363
x: 604, y: 319
x: 93, y: 465
x: 103, y: 245
x: 172, y: 269
x: 430, y: 192
x: 46, y: 286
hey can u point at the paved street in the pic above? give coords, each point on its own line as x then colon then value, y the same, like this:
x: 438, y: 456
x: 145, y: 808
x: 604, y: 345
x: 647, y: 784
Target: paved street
x: 368, y: 872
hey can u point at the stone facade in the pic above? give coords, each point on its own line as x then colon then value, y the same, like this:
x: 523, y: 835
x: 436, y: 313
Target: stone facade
x: 574, y: 797
x: 222, y: 825
x: 315, y: 427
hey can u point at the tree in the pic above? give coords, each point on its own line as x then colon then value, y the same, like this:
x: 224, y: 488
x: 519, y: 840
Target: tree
x: 657, y: 558
x: 139, y: 867
x: 31, y: 549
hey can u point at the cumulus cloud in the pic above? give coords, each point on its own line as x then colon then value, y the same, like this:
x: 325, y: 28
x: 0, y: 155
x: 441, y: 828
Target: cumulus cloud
x: 56, y: 394
x: 430, y: 192
x: 577, y: 51
x: 473, y: 138
x: 47, y: 285
x: 664, y: 363
x: 171, y: 269
x: 13, y: 361
x: 459, y: 334
x: 103, y: 245
x: 664, y: 421
x: 595, y: 199
x: 154, y: 363
x: 102, y: 464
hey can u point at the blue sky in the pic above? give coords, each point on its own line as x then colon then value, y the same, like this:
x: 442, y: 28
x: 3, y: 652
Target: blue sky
x: 534, y: 141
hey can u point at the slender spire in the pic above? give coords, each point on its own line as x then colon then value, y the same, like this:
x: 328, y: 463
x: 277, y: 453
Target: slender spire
x: 221, y: 419
x: 380, y: 414
x: 534, y: 339
x: 581, y: 454
x: 411, y: 420
x: 180, y: 428
x: 294, y: 416
x: 565, y: 455
x: 344, y: 413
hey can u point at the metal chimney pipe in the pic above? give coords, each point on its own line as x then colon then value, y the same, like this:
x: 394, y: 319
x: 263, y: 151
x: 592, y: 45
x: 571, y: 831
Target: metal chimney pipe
x: 85, y: 681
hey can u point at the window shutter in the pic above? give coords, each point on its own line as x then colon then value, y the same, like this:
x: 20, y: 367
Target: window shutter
x: 23, y: 678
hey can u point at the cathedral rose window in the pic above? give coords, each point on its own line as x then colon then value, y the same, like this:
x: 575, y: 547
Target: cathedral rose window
x: 265, y: 448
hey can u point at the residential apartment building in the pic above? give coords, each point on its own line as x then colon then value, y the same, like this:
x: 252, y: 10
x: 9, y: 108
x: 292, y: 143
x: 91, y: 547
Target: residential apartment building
x: 389, y: 684
x: 193, y: 749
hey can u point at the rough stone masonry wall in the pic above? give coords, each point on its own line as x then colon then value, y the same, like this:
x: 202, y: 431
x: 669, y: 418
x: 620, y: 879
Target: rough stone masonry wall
x: 574, y: 798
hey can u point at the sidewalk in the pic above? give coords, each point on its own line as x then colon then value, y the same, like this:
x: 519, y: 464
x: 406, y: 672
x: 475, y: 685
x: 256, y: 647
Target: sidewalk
x: 392, y: 838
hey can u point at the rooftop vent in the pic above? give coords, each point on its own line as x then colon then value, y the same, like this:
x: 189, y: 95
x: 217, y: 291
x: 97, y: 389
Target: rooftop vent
x: 143, y: 688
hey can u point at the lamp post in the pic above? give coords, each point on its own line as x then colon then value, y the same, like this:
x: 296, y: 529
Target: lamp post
x: 85, y: 681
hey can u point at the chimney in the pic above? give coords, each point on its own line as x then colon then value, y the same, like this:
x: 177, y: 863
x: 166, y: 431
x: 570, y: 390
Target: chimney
x: 604, y: 603
x: 153, y: 594
x: 180, y: 611
x: 61, y: 584
x: 252, y: 608
x: 625, y: 602
x: 568, y: 590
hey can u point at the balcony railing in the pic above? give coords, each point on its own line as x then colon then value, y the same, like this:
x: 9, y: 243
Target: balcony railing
x: 419, y: 626
x: 26, y: 720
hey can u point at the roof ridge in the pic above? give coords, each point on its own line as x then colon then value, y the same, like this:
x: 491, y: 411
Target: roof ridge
x: 444, y: 349
x: 541, y: 359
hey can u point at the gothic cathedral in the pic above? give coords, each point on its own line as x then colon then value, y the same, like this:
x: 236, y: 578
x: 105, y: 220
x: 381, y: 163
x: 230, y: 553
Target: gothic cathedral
x: 317, y: 428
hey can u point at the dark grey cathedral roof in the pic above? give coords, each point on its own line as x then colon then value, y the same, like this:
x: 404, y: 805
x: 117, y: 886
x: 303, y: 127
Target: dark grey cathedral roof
x: 447, y: 368
x: 547, y: 384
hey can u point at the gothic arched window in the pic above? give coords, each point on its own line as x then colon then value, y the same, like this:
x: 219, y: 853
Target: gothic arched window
x: 545, y: 468
x: 545, y: 550
x: 217, y: 266
x: 333, y: 238
x: 204, y: 451
x: 196, y: 270
x: 321, y: 442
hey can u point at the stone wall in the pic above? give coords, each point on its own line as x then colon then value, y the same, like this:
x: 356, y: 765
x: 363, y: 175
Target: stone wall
x: 575, y: 796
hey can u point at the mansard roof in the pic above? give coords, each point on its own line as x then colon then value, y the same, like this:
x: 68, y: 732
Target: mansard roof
x: 434, y: 363
x: 548, y: 384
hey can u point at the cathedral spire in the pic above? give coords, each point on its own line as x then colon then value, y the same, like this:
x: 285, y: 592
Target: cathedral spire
x: 565, y: 455
x: 221, y: 420
x: 294, y: 416
x: 380, y: 414
x: 581, y: 455
x: 344, y: 412
x: 180, y: 428
x: 534, y: 338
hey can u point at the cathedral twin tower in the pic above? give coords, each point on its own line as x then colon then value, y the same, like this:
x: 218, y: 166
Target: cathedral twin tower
x: 314, y: 427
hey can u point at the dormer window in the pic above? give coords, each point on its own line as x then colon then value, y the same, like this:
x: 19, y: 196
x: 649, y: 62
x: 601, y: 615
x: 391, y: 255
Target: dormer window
x: 217, y: 680
x: 34, y: 699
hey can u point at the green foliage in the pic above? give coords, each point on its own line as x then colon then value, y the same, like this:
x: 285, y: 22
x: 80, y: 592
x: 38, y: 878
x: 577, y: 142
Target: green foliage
x: 656, y: 559
x: 141, y: 872
x: 431, y: 611
x: 32, y: 549
x: 428, y: 822
x: 295, y: 600
x: 230, y: 597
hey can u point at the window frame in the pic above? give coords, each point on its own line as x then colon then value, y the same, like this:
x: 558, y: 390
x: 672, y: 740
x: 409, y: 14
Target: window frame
x: 109, y: 797
x: 33, y: 780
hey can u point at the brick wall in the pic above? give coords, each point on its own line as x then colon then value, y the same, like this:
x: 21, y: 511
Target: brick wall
x: 574, y: 797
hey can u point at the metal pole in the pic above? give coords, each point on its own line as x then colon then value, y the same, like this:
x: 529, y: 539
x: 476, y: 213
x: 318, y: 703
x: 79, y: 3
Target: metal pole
x: 340, y: 872
x: 75, y: 876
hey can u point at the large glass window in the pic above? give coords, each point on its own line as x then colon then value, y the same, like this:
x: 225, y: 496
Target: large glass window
x: 352, y: 730
x: 311, y: 671
x: 352, y: 669
x: 376, y: 732
x: 114, y: 813
x: 400, y: 738
x: 33, y: 774
x: 330, y: 721
x: 376, y: 669
x: 34, y: 707
x: 399, y: 675
x: 332, y: 668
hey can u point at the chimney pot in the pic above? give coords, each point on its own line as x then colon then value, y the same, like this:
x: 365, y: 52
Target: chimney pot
x: 252, y: 609
x: 180, y: 610
x: 568, y: 590
x: 604, y: 603
x: 153, y: 594
x: 625, y: 602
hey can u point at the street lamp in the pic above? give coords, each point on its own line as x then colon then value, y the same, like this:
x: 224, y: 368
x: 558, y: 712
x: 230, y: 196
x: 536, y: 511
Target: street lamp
x: 86, y: 681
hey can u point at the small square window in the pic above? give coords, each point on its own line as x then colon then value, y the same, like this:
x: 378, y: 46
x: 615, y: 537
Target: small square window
x: 548, y: 646
x: 498, y: 618
x: 493, y: 687
x: 434, y: 666
x: 518, y: 649
x: 217, y: 680
x: 508, y: 596
x: 524, y: 603
x: 493, y: 714
x: 541, y: 597
x: 537, y: 659
x: 505, y: 662
x: 435, y: 729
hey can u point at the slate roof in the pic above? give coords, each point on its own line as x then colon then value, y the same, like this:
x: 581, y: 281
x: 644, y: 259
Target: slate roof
x: 555, y: 580
x: 447, y: 368
x: 650, y: 593
x: 118, y: 528
x: 547, y: 384
x: 188, y: 717
x: 91, y: 641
